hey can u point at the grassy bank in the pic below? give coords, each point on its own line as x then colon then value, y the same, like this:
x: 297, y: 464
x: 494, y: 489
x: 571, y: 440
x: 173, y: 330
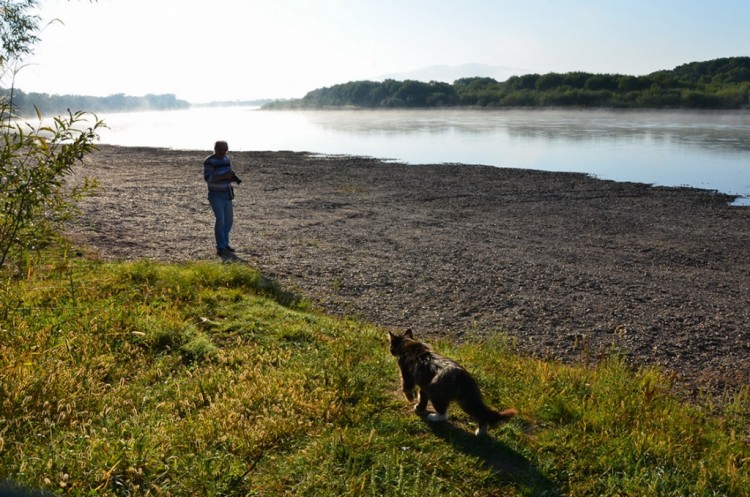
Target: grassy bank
x: 207, y: 379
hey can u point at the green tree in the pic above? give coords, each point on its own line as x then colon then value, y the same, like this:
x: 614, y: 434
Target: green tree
x: 575, y: 79
x: 441, y: 94
x: 633, y: 83
x: 549, y: 81
x: 602, y: 82
x: 524, y: 82
x: 413, y: 93
x: 18, y: 28
x: 35, y: 159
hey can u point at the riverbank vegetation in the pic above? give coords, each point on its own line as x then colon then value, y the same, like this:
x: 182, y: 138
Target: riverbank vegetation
x: 27, y: 104
x: 143, y: 378
x: 716, y: 84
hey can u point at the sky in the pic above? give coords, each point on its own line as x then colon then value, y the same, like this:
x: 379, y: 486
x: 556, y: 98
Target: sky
x: 209, y: 50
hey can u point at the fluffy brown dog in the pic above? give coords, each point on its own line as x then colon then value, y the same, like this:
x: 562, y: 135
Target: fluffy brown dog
x: 441, y: 381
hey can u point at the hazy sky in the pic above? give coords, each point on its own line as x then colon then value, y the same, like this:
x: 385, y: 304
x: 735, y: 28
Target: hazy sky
x: 205, y: 50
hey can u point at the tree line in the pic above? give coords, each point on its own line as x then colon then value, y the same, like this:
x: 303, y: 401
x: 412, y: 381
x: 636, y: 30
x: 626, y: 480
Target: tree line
x: 26, y: 104
x: 716, y: 84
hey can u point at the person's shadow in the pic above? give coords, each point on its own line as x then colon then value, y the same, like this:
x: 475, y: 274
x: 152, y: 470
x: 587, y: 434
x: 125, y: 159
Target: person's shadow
x: 265, y: 284
x: 230, y: 258
x: 507, y: 464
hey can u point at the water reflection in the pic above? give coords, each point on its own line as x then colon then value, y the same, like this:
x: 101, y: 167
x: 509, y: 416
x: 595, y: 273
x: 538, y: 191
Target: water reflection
x: 728, y: 131
x: 673, y: 148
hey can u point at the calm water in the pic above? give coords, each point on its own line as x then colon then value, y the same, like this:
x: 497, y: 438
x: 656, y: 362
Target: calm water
x: 673, y: 148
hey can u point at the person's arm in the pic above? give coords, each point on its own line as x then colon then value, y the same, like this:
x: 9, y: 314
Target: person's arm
x: 210, y: 175
x: 223, y: 177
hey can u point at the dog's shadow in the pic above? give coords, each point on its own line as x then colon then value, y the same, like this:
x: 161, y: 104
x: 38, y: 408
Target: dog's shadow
x: 505, y: 462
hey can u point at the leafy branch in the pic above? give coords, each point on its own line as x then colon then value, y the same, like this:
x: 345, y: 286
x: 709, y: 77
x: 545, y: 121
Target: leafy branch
x: 34, y: 162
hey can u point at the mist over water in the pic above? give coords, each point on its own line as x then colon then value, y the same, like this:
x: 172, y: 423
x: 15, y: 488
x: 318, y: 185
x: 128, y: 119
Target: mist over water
x: 701, y: 149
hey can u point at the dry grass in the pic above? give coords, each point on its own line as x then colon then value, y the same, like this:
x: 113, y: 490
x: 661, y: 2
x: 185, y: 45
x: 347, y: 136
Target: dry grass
x: 206, y: 379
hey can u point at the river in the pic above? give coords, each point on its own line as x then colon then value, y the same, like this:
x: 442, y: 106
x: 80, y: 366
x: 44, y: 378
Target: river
x: 702, y: 149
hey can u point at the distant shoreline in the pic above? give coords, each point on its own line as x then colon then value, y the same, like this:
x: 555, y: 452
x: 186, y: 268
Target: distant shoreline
x: 718, y: 84
x: 715, y: 84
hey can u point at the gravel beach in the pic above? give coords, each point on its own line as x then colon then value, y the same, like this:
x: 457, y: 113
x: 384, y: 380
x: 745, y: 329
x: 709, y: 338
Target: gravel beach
x: 566, y: 265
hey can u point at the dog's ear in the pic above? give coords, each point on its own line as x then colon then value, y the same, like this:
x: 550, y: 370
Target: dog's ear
x: 409, y: 334
x: 394, y: 343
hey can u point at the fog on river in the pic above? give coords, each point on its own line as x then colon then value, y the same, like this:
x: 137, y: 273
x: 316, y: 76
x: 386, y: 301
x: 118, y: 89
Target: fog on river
x: 703, y: 149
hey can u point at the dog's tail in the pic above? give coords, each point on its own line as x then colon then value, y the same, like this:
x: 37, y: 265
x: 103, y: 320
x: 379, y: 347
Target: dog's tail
x: 496, y: 417
x: 475, y: 407
x: 487, y: 417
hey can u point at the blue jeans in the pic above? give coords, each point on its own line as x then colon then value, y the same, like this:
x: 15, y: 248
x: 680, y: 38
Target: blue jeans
x: 221, y: 203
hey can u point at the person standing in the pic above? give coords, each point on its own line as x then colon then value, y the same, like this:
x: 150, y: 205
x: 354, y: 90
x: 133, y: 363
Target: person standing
x: 217, y: 171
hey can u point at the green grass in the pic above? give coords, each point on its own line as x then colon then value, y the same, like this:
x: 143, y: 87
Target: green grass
x: 207, y: 379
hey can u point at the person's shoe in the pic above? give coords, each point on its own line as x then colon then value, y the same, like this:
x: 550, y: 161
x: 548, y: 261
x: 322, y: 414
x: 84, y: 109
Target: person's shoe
x: 221, y: 251
x: 229, y: 249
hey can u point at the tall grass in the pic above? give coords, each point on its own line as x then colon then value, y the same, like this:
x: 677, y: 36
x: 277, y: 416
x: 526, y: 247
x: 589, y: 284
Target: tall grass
x: 208, y: 379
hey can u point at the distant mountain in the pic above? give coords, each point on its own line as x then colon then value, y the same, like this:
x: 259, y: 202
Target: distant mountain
x: 449, y: 74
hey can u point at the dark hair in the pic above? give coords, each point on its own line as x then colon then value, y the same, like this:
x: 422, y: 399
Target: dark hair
x: 222, y: 144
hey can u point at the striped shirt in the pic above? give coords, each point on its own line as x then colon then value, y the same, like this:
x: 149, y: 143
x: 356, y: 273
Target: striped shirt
x: 215, y: 166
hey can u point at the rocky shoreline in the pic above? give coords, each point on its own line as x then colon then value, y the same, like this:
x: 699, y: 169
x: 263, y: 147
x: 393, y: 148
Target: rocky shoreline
x: 566, y: 265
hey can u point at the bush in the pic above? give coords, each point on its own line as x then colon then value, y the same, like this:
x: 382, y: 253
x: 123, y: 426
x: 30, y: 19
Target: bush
x: 34, y: 161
